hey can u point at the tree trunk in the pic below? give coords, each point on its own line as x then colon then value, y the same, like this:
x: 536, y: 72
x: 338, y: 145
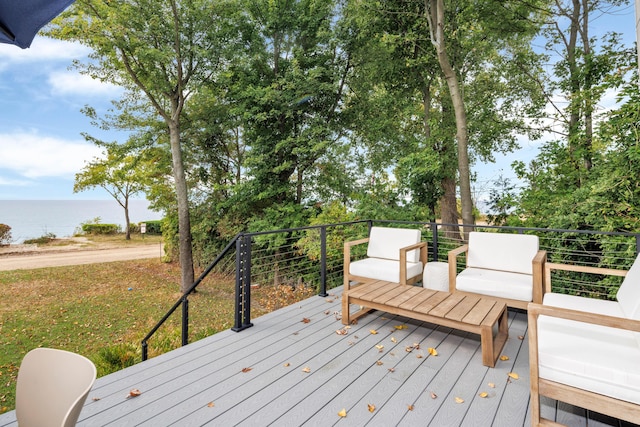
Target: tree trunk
x: 184, y: 222
x: 126, y: 219
x: 449, y: 209
x: 462, y: 137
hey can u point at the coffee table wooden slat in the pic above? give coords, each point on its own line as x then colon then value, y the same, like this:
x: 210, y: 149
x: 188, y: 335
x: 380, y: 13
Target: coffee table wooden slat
x: 476, y: 314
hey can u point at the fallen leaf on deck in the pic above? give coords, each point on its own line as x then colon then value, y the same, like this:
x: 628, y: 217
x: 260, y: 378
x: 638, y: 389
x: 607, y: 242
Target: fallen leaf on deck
x: 306, y: 320
x: 95, y: 399
x: 373, y: 331
x: 379, y: 363
x: 306, y: 369
x: 520, y: 337
x: 392, y: 370
x: 380, y: 347
x: 134, y: 393
x: 410, y: 407
x: 433, y: 351
x: 514, y: 375
x: 342, y: 331
x: 327, y: 312
x: 394, y: 340
x: 400, y: 327
x: 484, y: 394
x: 371, y: 407
x: 419, y: 356
x: 492, y: 385
x: 211, y: 404
x: 408, y: 349
x: 433, y: 395
x: 416, y: 345
x: 286, y: 365
x: 459, y: 400
x: 329, y: 300
x: 503, y: 357
x: 245, y: 370
x: 342, y: 413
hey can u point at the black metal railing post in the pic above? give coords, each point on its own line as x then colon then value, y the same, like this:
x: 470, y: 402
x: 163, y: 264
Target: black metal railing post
x: 434, y: 247
x: 237, y: 325
x: 185, y: 320
x: 323, y: 262
x: 246, y: 322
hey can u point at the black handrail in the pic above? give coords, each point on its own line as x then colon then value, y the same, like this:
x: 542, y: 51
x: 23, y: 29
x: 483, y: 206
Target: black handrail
x: 184, y: 301
x: 242, y: 244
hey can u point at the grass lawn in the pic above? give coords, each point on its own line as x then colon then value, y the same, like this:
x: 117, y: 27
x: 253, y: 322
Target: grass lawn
x: 90, y: 310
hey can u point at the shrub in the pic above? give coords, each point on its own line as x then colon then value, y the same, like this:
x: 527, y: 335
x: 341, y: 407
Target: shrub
x: 45, y: 238
x: 153, y: 227
x: 100, y: 228
x: 5, y: 234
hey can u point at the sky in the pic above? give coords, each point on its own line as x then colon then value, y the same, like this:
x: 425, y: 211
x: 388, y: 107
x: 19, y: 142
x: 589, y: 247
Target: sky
x: 41, y: 124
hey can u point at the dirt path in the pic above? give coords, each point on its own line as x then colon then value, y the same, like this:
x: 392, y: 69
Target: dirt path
x: 27, y: 258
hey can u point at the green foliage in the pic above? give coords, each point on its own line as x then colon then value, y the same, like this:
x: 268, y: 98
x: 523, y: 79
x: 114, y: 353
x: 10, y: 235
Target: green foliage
x: 5, y: 234
x: 46, y: 238
x: 101, y: 228
x: 153, y: 227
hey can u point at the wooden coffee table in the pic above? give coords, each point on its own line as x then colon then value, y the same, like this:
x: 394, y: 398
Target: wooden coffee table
x: 470, y: 313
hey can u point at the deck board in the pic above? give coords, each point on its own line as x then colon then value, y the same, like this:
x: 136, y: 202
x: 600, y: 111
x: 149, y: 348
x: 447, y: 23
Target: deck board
x: 204, y: 383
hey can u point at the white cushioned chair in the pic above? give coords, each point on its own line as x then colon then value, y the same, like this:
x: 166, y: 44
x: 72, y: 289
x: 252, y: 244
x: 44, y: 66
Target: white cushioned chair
x: 503, y: 266
x: 52, y: 387
x: 393, y: 255
x: 585, y: 351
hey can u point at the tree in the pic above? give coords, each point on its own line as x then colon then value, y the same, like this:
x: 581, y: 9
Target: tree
x: 118, y: 173
x: 164, y: 49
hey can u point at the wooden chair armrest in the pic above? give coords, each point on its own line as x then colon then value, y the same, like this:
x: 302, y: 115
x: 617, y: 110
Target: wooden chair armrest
x: 549, y: 266
x: 539, y: 286
x: 536, y: 310
x: 403, y: 259
x: 347, y: 259
x: 453, y: 266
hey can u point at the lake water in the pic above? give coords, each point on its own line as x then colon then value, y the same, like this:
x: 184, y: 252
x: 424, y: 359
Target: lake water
x: 30, y: 219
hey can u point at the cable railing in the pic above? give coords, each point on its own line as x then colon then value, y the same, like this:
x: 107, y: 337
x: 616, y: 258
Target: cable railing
x: 276, y: 268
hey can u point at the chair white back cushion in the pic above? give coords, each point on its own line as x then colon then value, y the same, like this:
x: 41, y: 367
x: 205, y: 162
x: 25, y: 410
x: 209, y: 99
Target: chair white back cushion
x: 629, y: 293
x: 504, y: 252
x: 386, y: 242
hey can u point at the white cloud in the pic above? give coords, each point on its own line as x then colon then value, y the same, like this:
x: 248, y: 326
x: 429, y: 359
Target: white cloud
x: 43, y: 49
x: 74, y: 83
x: 33, y: 156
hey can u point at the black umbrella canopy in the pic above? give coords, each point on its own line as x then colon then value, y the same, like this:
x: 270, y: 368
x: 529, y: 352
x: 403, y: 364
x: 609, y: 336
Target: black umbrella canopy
x: 20, y: 20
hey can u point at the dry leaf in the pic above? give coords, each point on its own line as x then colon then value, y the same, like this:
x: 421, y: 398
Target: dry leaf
x: 394, y: 340
x: 410, y: 407
x: 306, y: 320
x: 408, y: 349
x: 416, y: 345
x: 286, y: 365
x: 433, y: 351
x: 514, y: 375
x: 419, y: 356
x: 327, y: 312
x: 371, y: 407
x: 211, y: 404
x: 95, y: 399
x: 503, y: 357
x: 329, y: 300
x: 433, y: 395
x: 484, y: 394
x: 492, y: 385
x: 134, y: 393
x: 379, y: 363
x: 520, y: 337
x: 380, y: 347
x: 245, y: 370
x: 459, y: 400
x: 400, y: 327
x: 373, y: 331
x: 342, y: 331
x: 306, y: 369
x: 392, y: 370
x: 342, y: 413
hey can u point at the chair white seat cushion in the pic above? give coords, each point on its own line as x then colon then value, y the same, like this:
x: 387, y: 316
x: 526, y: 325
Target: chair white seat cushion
x: 383, y: 269
x: 602, y: 360
x: 503, y: 284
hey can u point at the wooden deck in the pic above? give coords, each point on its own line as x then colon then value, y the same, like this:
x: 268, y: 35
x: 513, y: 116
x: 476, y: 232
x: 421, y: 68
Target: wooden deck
x: 292, y: 368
